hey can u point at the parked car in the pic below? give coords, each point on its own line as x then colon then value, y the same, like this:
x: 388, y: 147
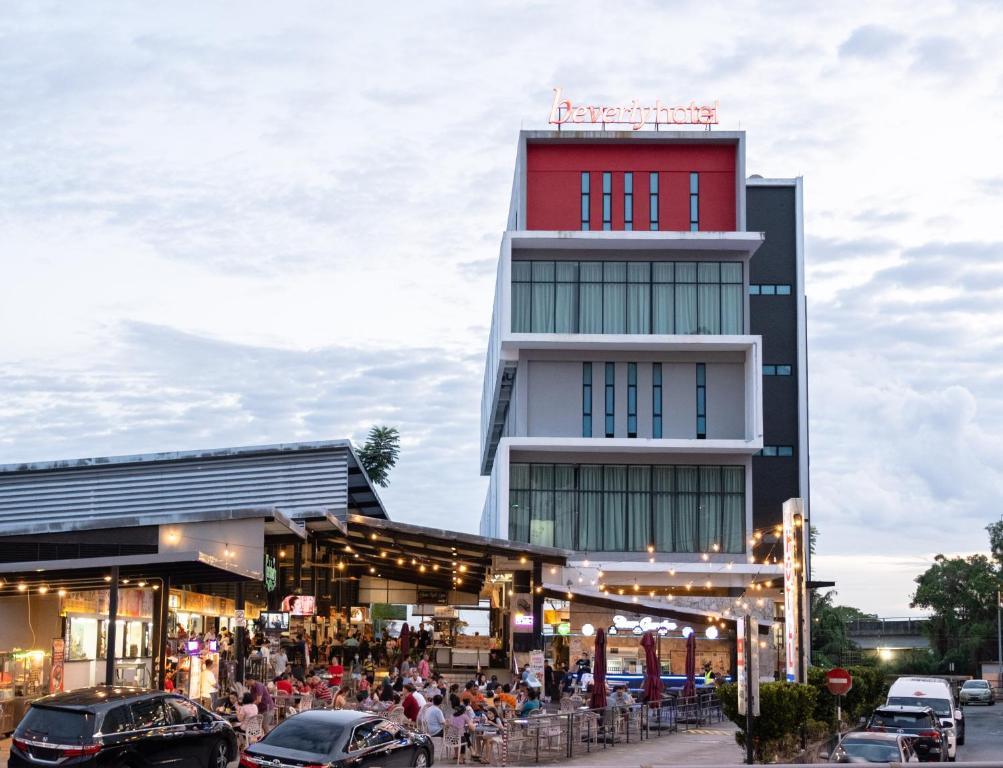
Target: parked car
x: 338, y: 739
x: 111, y: 726
x: 929, y: 736
x: 935, y: 693
x: 977, y: 692
x: 874, y: 748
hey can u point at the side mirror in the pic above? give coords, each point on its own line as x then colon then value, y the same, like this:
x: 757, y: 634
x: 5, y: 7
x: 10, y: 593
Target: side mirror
x: 946, y: 724
x: 958, y: 714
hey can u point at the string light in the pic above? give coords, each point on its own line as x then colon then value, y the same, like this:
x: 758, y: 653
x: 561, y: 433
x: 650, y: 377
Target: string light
x: 705, y: 556
x: 43, y: 589
x: 22, y: 587
x: 62, y: 593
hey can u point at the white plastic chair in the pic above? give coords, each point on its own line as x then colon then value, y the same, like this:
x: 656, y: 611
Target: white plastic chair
x: 251, y: 731
x: 452, y: 741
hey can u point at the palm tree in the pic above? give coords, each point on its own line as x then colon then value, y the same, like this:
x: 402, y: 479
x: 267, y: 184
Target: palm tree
x: 379, y: 454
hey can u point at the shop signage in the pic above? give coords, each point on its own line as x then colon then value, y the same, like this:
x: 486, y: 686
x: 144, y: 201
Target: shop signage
x: 358, y: 615
x: 621, y: 625
x: 271, y: 574
x: 537, y: 664
x: 433, y: 597
x: 635, y: 114
x: 522, y: 612
x: 564, y: 628
x: 58, y: 660
x: 793, y: 575
x: 239, y: 618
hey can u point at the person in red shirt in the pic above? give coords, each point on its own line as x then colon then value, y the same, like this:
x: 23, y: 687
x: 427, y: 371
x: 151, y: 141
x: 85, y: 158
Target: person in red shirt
x: 283, y: 685
x: 413, y: 702
x: 336, y: 671
x: 320, y: 690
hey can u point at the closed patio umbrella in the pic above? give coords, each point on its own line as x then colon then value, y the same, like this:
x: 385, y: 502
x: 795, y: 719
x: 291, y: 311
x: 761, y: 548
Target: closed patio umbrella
x: 598, y: 700
x: 690, y: 687
x: 652, y: 688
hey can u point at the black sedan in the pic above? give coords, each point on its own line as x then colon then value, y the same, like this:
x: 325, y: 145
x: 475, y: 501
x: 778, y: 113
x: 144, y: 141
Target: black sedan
x: 338, y: 739
x: 921, y: 723
x: 112, y: 726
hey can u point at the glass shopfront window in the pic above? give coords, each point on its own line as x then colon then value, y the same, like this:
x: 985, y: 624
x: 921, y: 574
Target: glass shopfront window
x: 627, y: 508
x: 635, y: 297
x: 88, y: 638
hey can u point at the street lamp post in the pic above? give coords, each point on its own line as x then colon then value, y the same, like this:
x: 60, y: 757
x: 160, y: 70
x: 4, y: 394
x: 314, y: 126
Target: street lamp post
x: 999, y: 639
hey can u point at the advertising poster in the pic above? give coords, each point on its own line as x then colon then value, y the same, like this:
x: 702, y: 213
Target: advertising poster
x: 522, y: 613
x: 58, y: 664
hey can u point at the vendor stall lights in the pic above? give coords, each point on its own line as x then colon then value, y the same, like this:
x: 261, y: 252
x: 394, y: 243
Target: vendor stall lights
x: 62, y: 593
x: 711, y: 633
x: 22, y: 587
x: 687, y: 631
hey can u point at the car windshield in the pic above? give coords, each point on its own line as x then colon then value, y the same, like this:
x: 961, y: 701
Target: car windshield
x: 900, y: 719
x: 305, y: 735
x: 975, y: 684
x: 941, y: 706
x: 60, y: 726
x: 871, y: 752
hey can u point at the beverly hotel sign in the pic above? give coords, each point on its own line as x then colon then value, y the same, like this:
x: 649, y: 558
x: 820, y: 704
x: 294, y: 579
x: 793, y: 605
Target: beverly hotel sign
x: 635, y: 114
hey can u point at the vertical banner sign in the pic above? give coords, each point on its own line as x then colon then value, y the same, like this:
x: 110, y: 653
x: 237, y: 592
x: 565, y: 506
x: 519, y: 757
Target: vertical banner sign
x: 743, y: 687
x: 791, y: 624
x: 753, y: 665
x: 58, y: 664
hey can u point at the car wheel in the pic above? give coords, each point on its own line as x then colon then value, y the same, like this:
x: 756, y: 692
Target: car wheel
x: 420, y: 759
x: 219, y: 758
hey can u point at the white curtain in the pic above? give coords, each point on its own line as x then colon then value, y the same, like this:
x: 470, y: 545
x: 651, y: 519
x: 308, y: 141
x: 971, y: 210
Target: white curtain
x: 614, y: 508
x: 661, y: 507
x: 733, y: 517
x: 590, y: 297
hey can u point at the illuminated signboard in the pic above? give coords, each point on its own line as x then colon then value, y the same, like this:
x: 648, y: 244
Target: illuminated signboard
x: 635, y: 114
x: 793, y: 575
x: 622, y: 624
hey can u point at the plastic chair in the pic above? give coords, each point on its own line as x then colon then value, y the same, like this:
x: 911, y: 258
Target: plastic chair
x: 251, y: 731
x: 452, y: 741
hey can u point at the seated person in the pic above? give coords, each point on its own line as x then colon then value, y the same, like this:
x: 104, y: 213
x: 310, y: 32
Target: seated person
x: 246, y: 710
x: 504, y: 696
x: 531, y: 703
x: 229, y: 705
x: 621, y: 698
x: 433, y: 718
x: 284, y: 685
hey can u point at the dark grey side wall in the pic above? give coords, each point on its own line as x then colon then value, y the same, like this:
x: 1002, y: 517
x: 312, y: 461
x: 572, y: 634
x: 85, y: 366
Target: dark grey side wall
x: 775, y: 479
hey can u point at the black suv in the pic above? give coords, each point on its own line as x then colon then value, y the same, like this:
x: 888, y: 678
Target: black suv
x: 921, y: 723
x: 109, y: 726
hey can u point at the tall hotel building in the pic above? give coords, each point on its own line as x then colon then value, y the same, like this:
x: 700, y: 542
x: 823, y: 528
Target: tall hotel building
x: 645, y: 391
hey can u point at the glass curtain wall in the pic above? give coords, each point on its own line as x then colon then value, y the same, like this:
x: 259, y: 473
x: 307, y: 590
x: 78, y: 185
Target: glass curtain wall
x: 636, y: 297
x: 626, y: 508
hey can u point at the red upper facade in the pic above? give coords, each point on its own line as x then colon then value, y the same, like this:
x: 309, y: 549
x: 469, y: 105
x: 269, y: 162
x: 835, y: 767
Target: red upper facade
x: 554, y: 184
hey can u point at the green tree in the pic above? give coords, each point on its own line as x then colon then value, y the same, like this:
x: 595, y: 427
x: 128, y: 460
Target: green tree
x: 830, y: 638
x: 961, y: 593
x: 379, y: 454
x: 995, y: 531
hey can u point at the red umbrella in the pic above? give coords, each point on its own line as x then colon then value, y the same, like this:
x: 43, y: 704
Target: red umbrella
x: 405, y: 641
x: 652, y: 688
x: 690, y: 688
x: 599, y: 672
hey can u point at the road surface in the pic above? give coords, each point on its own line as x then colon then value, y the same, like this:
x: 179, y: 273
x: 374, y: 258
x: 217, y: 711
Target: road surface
x: 983, y: 734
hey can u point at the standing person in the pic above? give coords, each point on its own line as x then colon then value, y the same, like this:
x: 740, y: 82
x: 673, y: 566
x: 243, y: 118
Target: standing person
x: 412, y: 703
x: 207, y: 685
x: 280, y: 662
x: 369, y: 669
x: 582, y: 666
x: 424, y: 669
x: 263, y: 700
x: 336, y: 671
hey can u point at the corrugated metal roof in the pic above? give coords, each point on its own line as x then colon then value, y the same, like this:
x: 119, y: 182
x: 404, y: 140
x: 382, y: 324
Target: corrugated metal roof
x: 298, y: 478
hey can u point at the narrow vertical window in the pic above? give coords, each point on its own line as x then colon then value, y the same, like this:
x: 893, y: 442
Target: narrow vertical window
x: 701, y: 401
x: 656, y: 400
x: 653, y: 199
x: 631, y: 399
x: 628, y: 201
x: 585, y: 200
x: 607, y: 200
x: 586, y: 399
x: 694, y: 202
x: 610, y: 397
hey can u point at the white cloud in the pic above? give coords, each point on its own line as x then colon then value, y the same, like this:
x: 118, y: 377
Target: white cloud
x: 229, y: 223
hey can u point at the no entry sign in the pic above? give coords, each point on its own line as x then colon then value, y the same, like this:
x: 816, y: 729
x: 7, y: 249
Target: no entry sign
x: 838, y: 681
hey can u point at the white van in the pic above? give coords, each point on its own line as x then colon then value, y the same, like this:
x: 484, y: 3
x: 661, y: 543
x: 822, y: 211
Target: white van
x: 934, y: 693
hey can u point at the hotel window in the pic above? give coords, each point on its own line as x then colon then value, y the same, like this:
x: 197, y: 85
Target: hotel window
x: 607, y: 200
x: 653, y: 199
x: 617, y: 508
x: 586, y: 399
x: 777, y: 450
x: 585, y: 200
x: 777, y: 370
x: 631, y: 399
x: 764, y: 289
x: 628, y: 201
x: 694, y: 202
x: 610, y: 398
x: 656, y: 400
x: 701, y: 401
x: 636, y: 297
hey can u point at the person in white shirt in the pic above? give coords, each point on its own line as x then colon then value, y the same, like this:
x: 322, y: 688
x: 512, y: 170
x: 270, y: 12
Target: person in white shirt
x: 207, y: 684
x: 281, y: 661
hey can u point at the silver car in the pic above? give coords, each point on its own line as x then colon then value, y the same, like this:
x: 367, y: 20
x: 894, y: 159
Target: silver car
x: 866, y: 747
x: 977, y: 692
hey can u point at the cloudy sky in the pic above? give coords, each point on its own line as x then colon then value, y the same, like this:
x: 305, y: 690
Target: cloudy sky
x: 236, y: 223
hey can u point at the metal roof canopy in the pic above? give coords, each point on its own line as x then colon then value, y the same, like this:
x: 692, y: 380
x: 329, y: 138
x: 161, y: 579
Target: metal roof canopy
x: 367, y: 539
